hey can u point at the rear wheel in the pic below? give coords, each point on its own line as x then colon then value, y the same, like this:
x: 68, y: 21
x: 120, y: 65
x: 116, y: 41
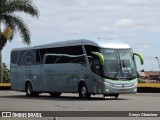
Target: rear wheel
x: 83, y: 92
x: 29, y: 91
x: 55, y: 94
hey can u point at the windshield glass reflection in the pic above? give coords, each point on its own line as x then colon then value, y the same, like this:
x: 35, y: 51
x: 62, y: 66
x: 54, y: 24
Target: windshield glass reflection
x: 119, y: 64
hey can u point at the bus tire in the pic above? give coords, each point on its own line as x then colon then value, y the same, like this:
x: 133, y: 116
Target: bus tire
x: 55, y: 94
x: 116, y: 96
x: 83, y: 92
x: 29, y: 90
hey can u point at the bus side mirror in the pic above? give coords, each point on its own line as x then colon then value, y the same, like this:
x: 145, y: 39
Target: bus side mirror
x: 100, y: 56
x: 140, y: 57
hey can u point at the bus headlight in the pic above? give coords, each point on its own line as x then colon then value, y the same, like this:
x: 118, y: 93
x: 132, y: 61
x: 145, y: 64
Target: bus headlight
x: 135, y: 84
x: 107, y: 90
x: 106, y: 83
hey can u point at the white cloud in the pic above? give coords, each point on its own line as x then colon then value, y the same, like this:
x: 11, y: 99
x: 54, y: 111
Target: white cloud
x: 141, y: 45
x: 106, y: 29
x: 84, y: 14
x: 132, y: 23
x: 125, y: 22
x: 137, y: 1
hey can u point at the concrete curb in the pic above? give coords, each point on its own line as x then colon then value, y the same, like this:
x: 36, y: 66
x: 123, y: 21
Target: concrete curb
x: 148, y: 94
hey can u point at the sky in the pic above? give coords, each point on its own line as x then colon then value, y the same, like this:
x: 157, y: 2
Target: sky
x: 136, y: 22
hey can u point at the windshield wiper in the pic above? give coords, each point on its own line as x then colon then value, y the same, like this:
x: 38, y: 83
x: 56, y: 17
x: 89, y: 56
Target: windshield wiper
x: 124, y: 66
x: 119, y: 68
x: 117, y: 71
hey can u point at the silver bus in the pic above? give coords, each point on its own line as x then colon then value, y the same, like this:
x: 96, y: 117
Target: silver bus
x: 82, y: 66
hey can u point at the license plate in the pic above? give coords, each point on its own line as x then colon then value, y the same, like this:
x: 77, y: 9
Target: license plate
x: 122, y: 90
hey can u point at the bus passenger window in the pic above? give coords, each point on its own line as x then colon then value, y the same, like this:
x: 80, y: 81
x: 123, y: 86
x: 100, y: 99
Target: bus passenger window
x: 50, y: 59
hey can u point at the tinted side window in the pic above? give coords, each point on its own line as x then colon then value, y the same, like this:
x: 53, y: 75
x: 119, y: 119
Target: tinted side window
x: 14, y: 57
x: 38, y: 57
x: 89, y: 49
x: 51, y: 59
x: 25, y: 57
x: 28, y: 57
x: 65, y: 59
x: 72, y: 54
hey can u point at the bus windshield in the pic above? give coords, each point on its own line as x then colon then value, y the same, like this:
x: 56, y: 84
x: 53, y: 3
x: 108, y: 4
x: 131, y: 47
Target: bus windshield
x: 119, y: 64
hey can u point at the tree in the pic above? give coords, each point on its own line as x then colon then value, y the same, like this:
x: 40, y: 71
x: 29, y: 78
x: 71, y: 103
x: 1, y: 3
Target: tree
x: 13, y: 23
x: 6, y: 73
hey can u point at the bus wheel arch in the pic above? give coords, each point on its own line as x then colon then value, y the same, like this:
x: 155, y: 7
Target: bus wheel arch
x: 82, y: 90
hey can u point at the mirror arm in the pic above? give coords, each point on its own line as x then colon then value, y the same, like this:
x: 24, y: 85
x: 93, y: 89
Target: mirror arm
x: 101, y: 57
x: 141, y: 58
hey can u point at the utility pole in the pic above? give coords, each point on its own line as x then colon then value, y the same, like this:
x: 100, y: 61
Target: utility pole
x: 159, y: 67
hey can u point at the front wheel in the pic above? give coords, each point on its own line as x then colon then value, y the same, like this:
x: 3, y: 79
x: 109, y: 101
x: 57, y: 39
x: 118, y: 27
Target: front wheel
x: 111, y: 96
x: 115, y: 96
x: 83, y: 92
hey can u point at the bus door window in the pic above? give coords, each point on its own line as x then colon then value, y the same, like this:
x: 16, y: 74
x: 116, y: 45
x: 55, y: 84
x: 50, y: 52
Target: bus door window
x: 90, y: 61
x: 96, y: 66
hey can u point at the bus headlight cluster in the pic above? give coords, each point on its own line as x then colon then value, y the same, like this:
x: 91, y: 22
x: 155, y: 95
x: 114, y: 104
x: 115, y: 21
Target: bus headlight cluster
x: 109, y: 84
x: 135, y: 84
